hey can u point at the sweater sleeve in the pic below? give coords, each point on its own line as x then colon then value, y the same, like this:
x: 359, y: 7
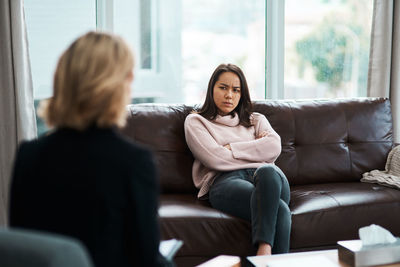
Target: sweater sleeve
x: 265, y: 149
x: 205, y: 149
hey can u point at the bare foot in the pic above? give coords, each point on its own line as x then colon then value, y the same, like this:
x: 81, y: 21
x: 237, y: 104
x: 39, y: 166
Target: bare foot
x: 264, y: 249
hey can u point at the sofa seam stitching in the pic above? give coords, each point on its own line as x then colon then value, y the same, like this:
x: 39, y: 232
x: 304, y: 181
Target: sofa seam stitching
x: 348, y: 143
x: 342, y: 207
x: 294, y: 141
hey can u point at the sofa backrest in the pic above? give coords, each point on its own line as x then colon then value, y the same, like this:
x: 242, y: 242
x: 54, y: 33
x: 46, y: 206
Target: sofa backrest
x: 322, y: 140
x: 330, y: 140
x: 160, y: 128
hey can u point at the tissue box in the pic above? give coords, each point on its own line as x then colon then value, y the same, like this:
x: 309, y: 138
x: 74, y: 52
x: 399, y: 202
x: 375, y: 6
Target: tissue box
x: 354, y: 253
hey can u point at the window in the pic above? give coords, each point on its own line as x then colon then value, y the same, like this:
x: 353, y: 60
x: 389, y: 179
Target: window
x: 286, y: 48
x: 223, y: 31
x: 52, y: 26
x: 170, y: 40
x: 182, y: 42
x: 326, y: 48
x: 153, y: 28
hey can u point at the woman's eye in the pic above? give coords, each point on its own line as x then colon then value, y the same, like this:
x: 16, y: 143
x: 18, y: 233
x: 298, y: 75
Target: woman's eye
x: 236, y: 90
x: 222, y: 88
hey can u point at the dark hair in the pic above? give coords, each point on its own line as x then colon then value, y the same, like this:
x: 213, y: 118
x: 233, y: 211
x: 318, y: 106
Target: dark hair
x: 244, y: 108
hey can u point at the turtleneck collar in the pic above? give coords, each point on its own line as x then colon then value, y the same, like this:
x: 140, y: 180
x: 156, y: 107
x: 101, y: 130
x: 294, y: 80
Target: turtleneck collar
x: 228, y: 120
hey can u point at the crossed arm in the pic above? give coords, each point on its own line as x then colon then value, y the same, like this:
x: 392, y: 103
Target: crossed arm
x: 265, y: 147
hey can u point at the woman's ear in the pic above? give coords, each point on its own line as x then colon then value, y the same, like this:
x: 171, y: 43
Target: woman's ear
x: 128, y: 83
x: 130, y: 76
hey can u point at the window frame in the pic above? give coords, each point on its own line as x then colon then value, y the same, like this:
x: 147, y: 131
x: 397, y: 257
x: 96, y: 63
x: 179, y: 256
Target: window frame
x: 165, y: 59
x: 274, y: 49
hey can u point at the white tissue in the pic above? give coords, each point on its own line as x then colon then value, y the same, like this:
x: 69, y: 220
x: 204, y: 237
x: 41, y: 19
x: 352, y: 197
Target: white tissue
x: 375, y: 234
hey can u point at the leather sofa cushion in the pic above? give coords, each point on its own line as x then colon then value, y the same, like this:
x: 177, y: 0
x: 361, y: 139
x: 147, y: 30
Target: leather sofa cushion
x: 202, y: 228
x: 159, y: 127
x: 320, y: 211
x: 327, y: 141
x: 318, y: 214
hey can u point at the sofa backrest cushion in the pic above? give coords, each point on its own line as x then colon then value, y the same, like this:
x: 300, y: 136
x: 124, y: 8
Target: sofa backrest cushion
x: 330, y: 140
x: 322, y: 140
x: 160, y: 128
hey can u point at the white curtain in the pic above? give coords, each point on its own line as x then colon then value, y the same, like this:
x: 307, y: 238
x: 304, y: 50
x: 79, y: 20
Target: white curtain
x: 17, y: 113
x: 384, y: 62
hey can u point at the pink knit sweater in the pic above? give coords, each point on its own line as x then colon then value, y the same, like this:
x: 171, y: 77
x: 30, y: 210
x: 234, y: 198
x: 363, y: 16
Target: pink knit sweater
x: 206, y: 140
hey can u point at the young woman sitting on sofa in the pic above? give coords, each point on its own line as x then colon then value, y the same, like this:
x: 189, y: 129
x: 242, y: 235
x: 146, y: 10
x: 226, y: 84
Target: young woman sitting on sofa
x: 235, y: 150
x: 84, y: 179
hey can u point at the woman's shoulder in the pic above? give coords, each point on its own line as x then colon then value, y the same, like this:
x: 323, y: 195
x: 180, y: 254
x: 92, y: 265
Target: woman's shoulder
x: 33, y: 147
x: 255, y: 117
x: 195, y: 118
x: 26, y: 148
x: 29, y: 152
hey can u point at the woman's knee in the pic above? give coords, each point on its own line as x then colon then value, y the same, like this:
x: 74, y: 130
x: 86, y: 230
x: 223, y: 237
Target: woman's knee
x: 273, y: 178
x: 284, y: 214
x: 269, y: 176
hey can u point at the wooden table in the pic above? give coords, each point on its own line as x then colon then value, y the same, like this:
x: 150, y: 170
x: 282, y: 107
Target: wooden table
x: 326, y: 258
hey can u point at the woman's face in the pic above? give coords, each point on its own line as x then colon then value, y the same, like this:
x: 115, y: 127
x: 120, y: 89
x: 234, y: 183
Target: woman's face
x: 227, y: 92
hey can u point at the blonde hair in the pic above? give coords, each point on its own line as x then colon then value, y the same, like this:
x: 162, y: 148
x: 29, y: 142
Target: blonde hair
x: 90, y: 84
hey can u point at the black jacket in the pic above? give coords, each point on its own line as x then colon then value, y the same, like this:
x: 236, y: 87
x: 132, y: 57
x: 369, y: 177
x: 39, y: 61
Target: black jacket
x: 92, y: 185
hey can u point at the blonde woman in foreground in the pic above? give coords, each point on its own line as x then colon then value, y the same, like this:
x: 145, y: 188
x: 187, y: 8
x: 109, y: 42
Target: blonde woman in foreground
x: 84, y: 179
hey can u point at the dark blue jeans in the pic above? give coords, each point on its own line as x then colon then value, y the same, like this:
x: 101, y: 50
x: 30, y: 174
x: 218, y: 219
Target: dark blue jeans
x: 260, y: 196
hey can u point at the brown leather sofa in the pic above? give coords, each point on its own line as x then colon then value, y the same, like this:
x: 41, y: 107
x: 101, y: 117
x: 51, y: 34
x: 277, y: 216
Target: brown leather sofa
x: 326, y: 146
